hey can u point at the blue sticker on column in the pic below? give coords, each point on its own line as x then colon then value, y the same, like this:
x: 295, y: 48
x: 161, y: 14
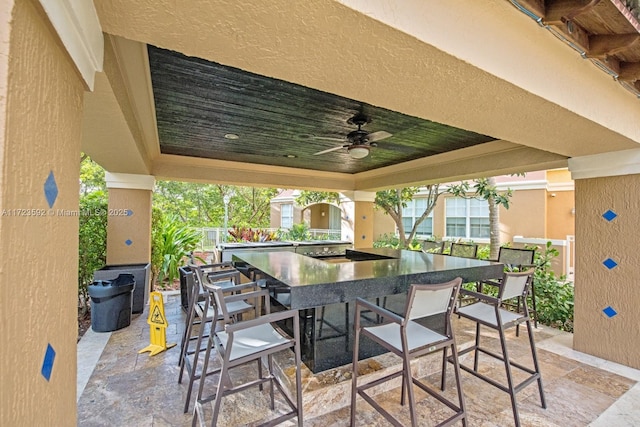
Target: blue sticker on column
x: 609, y: 263
x: 129, y: 212
x: 128, y: 242
x: 609, y: 215
x: 610, y: 312
x: 47, y: 364
x: 51, y: 189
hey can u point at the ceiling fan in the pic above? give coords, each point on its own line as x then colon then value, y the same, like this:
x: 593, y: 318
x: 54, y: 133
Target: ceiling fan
x: 359, y: 141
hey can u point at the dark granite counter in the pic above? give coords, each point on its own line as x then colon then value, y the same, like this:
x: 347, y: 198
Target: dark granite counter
x: 324, y: 290
x: 318, y: 282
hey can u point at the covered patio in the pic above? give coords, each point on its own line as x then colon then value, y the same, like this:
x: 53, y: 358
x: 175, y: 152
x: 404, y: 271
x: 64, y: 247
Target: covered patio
x: 465, y: 90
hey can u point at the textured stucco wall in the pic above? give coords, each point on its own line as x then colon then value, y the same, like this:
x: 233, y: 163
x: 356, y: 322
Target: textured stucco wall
x: 363, y: 228
x: 39, y: 246
x: 616, y: 337
x: 129, y: 226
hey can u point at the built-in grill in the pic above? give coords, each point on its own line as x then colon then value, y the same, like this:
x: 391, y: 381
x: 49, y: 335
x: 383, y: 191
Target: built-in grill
x: 323, y: 248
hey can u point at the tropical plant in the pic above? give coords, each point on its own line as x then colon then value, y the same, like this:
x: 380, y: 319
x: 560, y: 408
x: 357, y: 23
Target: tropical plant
x: 92, y: 253
x: 177, y: 242
x: 298, y: 233
x: 248, y: 234
x: 554, y: 295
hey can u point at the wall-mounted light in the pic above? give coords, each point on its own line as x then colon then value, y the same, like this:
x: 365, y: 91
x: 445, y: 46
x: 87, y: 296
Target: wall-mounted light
x: 573, y: 211
x: 322, y: 213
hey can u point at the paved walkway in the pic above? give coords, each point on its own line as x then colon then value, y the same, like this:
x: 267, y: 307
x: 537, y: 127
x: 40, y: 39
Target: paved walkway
x: 118, y: 386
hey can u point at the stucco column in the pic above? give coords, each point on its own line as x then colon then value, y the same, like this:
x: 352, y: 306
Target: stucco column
x: 129, y: 218
x: 607, y: 295
x: 357, y: 217
x: 41, y: 107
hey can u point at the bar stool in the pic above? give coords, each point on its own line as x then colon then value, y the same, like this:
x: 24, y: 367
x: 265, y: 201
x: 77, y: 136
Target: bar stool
x: 247, y: 342
x: 488, y: 311
x: 199, y: 322
x: 408, y: 340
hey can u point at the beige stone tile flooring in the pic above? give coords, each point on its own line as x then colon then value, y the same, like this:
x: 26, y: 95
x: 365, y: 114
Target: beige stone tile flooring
x: 119, y: 387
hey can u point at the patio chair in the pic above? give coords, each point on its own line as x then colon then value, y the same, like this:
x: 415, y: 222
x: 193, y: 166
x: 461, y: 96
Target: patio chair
x: 408, y: 339
x: 246, y: 342
x: 432, y: 247
x: 488, y: 311
x: 516, y: 259
x: 464, y: 250
x: 200, y: 320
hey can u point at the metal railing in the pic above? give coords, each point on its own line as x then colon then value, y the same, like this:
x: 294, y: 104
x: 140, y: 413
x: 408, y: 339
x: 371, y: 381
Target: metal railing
x: 213, y: 236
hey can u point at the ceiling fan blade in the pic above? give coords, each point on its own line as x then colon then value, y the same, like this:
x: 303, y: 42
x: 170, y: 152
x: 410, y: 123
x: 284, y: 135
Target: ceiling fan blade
x: 330, y: 150
x: 327, y: 138
x: 377, y: 136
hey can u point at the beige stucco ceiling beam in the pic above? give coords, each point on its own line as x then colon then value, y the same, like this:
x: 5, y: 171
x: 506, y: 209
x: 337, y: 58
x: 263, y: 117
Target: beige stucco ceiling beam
x: 511, y: 80
x: 182, y: 168
x: 106, y: 137
x: 490, y: 159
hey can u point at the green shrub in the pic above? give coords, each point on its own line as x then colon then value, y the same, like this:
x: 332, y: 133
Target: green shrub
x: 392, y: 241
x: 157, y: 257
x: 298, y: 233
x: 92, y: 242
x: 554, y: 295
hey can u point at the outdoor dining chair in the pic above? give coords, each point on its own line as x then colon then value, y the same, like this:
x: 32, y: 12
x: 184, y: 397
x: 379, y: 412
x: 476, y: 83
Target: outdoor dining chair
x: 200, y: 320
x: 464, y: 250
x: 408, y: 339
x: 431, y: 247
x: 248, y: 341
x: 487, y: 311
x: 516, y: 259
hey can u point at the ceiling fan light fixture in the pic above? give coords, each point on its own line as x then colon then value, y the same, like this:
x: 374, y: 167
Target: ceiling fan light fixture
x: 358, y: 151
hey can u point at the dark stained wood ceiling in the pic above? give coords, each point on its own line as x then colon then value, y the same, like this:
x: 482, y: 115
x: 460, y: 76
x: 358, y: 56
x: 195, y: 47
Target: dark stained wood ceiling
x: 279, y: 123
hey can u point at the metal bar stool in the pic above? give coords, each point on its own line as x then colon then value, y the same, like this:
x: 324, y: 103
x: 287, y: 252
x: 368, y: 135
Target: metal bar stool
x: 246, y: 342
x: 408, y: 340
x: 200, y: 319
x: 488, y: 311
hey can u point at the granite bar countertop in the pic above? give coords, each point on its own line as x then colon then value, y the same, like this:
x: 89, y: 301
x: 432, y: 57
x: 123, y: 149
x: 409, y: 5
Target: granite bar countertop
x: 316, y: 282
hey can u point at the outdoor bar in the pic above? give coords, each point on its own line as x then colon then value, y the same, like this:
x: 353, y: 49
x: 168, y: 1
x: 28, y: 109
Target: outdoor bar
x: 324, y: 290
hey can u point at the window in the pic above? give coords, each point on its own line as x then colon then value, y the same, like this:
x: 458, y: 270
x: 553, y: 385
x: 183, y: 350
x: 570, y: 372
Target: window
x: 286, y: 215
x: 415, y: 208
x: 467, y: 218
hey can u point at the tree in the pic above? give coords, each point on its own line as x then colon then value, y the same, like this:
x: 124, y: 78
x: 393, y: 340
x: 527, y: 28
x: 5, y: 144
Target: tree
x: 202, y: 205
x: 392, y: 202
x: 485, y: 188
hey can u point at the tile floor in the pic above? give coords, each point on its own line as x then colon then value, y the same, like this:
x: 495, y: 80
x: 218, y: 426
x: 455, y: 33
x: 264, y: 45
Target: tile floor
x: 117, y: 386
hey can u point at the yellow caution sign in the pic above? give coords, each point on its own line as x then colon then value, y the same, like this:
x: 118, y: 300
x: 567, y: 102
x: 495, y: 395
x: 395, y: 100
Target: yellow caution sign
x: 158, y: 322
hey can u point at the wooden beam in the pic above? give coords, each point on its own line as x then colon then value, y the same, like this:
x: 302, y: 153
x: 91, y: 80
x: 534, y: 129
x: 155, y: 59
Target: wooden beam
x: 575, y: 33
x: 602, y: 45
x: 629, y: 71
x: 559, y: 11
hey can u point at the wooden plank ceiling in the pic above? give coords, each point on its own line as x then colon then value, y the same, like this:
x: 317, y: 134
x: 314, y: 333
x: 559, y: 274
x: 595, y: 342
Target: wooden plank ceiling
x: 279, y: 123
x: 605, y: 31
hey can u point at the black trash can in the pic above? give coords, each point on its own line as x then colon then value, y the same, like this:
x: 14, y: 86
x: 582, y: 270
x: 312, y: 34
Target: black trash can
x: 142, y: 276
x: 111, y: 303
